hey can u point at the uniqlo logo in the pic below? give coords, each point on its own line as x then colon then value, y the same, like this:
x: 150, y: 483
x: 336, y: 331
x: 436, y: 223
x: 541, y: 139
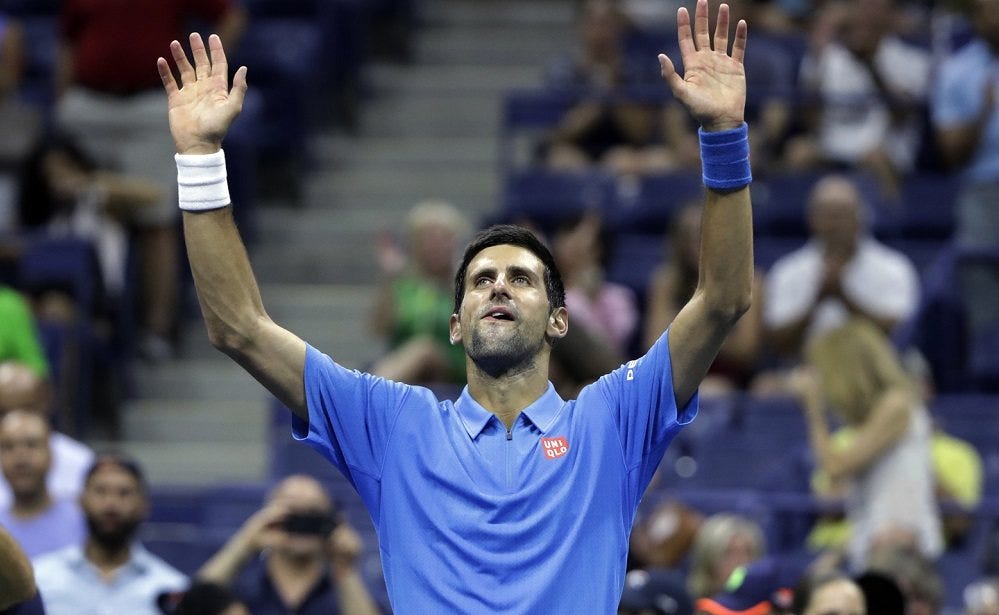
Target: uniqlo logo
x: 553, y: 448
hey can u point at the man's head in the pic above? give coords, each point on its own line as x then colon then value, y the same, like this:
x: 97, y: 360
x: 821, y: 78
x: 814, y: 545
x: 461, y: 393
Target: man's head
x: 436, y: 230
x: 509, y: 299
x: 114, y: 501
x: 25, y: 455
x: 22, y: 389
x: 830, y: 593
x: 867, y: 23
x: 837, y: 214
x: 310, y: 519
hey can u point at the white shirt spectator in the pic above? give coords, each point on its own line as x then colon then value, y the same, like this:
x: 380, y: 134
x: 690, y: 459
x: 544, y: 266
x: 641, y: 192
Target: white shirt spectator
x: 880, y: 280
x: 70, y: 461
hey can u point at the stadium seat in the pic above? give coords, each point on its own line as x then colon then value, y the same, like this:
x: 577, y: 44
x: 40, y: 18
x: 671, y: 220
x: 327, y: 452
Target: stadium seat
x: 548, y: 198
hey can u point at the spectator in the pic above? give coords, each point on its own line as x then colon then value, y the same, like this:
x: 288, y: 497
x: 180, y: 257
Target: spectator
x: 981, y: 597
x: 38, y: 521
x: 610, y: 126
x: 724, y: 542
x: 306, y: 561
x: 870, y: 89
x: 414, y: 299
x: 607, y: 310
x: 672, y: 284
x: 22, y: 389
x: 761, y: 587
x: 18, y: 335
x: 202, y: 599
x: 110, y: 571
x: 887, y: 464
x: 63, y: 191
x: 828, y: 592
x: 842, y: 272
x: 654, y: 592
x: 915, y: 575
x: 19, y: 123
x: 16, y: 579
x: 966, y: 120
x: 110, y: 100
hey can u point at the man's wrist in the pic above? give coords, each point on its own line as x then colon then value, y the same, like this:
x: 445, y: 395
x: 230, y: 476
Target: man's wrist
x: 725, y: 157
x: 202, y: 181
x: 198, y: 149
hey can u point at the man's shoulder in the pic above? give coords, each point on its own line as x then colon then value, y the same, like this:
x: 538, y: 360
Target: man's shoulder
x: 56, y: 564
x: 796, y: 262
x: 157, y: 566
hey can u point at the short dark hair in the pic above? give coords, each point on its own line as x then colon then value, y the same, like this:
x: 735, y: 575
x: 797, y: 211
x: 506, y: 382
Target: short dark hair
x: 117, y: 461
x: 510, y: 234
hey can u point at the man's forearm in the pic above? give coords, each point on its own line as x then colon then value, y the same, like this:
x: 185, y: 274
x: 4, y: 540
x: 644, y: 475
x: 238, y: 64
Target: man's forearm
x: 351, y: 592
x: 223, y: 567
x: 726, y: 269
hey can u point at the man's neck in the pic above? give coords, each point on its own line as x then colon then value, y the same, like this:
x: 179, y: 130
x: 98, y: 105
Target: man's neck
x: 31, y: 505
x: 506, y: 395
x: 294, y: 577
x: 106, y: 560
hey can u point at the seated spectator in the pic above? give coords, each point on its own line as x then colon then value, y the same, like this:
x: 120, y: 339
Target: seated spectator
x: 869, y: 88
x: 17, y: 582
x: 654, y: 592
x: 202, y: 599
x: 842, y: 272
x: 854, y: 371
x: 19, y: 123
x: 415, y: 299
x: 607, y: 310
x: 761, y: 587
x: 18, y: 335
x: 609, y: 126
x: 293, y: 555
x: 63, y: 192
x: 723, y: 543
x: 915, y: 575
x: 673, y: 283
x: 22, y: 389
x: 38, y: 521
x: 110, y: 571
x: 828, y: 592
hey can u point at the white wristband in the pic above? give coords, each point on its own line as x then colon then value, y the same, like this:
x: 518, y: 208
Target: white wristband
x: 201, y: 181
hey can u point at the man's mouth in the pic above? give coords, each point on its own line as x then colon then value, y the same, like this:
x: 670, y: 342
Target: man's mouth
x: 499, y: 314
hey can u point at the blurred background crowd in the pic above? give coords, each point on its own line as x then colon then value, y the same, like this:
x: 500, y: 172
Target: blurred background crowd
x: 845, y: 449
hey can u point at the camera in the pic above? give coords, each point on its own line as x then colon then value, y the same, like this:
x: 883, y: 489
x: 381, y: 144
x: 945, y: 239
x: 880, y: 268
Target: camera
x: 310, y: 524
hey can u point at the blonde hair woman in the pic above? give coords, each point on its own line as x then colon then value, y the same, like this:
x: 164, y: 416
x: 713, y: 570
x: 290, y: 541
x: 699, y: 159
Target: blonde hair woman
x: 724, y: 542
x: 855, y: 373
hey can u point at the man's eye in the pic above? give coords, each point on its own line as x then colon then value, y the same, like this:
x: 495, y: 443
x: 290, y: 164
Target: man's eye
x: 482, y: 281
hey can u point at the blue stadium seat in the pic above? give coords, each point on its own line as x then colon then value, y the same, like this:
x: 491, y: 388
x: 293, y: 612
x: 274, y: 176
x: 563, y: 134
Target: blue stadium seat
x: 526, y: 116
x: 549, y: 198
x: 633, y: 259
x: 926, y: 208
x: 650, y: 204
x: 67, y: 264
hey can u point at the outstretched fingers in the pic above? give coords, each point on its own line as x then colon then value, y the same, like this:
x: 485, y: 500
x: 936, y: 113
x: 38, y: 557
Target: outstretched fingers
x: 220, y: 66
x: 183, y: 65
x: 721, y: 29
x: 701, y: 35
x: 739, y: 46
x: 673, y: 79
x: 238, y: 91
x: 166, y: 76
x: 684, y: 36
x: 202, y: 65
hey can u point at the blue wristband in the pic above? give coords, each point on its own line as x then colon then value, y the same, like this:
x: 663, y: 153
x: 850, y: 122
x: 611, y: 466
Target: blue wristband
x: 725, y: 158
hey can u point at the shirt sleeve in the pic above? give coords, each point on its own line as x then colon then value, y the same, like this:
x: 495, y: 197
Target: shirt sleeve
x: 790, y: 291
x: 959, y: 96
x: 351, y: 415
x: 644, y: 403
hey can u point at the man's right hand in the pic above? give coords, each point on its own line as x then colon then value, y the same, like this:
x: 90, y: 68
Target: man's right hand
x: 201, y: 105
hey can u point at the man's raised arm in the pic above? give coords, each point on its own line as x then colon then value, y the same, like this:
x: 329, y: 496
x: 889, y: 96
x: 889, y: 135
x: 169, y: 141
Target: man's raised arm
x: 201, y: 109
x: 713, y: 88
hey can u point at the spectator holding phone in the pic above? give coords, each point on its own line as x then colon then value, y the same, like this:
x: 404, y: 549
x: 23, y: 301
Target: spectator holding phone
x: 294, y: 555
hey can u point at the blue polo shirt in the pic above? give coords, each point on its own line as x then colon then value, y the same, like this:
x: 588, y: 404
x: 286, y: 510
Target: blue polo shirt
x: 472, y: 518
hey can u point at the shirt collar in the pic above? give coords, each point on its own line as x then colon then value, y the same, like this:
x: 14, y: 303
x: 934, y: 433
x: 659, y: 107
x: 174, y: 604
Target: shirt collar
x: 138, y: 557
x: 541, y: 412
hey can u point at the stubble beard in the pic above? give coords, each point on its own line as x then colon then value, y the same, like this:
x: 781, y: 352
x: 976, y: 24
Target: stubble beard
x: 501, y: 355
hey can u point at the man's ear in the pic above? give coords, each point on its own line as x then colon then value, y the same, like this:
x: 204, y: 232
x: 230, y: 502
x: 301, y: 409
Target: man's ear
x: 455, y: 329
x: 558, y: 323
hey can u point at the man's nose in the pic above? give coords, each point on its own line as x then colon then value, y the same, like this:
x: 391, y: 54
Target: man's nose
x: 500, y: 287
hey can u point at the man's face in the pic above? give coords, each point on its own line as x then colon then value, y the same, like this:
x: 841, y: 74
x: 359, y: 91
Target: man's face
x: 24, y: 453
x: 504, y: 316
x: 835, y: 216
x: 115, y: 505
x: 301, y: 496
